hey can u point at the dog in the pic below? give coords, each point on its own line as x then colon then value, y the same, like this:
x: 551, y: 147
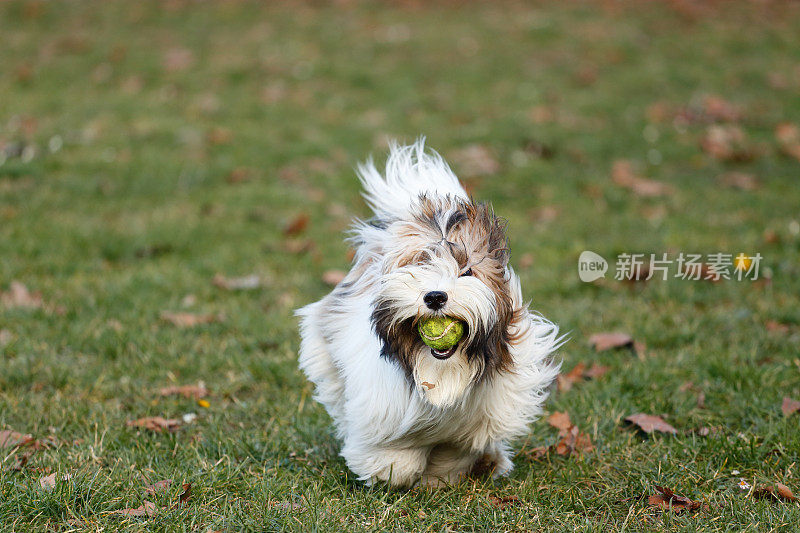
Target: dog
x: 406, y: 413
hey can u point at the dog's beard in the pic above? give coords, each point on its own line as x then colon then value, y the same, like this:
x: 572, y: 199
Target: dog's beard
x: 442, y: 378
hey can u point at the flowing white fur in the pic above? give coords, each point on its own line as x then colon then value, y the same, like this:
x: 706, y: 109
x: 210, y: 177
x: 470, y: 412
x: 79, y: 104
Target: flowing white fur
x: 436, y: 430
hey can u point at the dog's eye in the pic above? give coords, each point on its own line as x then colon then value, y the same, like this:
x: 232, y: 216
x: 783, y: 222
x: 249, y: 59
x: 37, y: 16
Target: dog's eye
x: 467, y: 272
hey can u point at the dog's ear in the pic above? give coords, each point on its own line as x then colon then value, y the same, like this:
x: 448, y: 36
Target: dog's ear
x: 493, y: 347
x: 398, y: 340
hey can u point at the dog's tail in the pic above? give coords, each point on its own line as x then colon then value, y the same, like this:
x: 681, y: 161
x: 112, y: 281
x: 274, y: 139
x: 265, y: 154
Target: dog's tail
x: 410, y: 173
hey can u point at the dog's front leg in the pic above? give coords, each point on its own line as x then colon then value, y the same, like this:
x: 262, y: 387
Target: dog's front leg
x: 400, y: 467
x: 447, y: 465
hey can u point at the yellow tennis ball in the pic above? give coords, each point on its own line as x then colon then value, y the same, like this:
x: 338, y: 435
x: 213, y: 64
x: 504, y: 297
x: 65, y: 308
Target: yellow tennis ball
x: 440, y: 332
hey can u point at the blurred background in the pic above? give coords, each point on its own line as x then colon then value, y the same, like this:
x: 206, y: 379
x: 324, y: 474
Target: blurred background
x: 175, y: 178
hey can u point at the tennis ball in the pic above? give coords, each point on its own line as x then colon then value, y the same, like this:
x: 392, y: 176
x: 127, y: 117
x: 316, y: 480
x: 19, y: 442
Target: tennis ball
x: 440, y: 332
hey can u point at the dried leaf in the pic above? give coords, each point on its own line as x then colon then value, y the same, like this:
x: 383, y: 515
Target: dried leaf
x: 607, y: 341
x: 475, y: 160
x: 775, y: 493
x: 49, y: 482
x: 239, y: 175
x: 501, y: 502
x: 297, y: 225
x: 187, y: 391
x: 774, y: 325
x: 573, y: 440
x: 717, y: 108
x: 186, y: 494
x: 580, y: 373
x: 789, y: 406
x: 666, y: 499
x: 244, y: 283
x: 623, y: 174
x: 788, y: 137
x: 560, y: 421
x: 727, y: 143
x: 298, y: 246
x: 177, y: 59
x: 13, y: 439
x: 526, y: 260
x: 650, y: 423
x: 538, y: 452
x: 158, y: 486
x: 565, y: 381
x: 146, y: 509
x: 188, y: 320
x: 739, y: 180
x: 19, y: 296
x: 333, y: 277
x: 596, y: 371
x: 156, y: 423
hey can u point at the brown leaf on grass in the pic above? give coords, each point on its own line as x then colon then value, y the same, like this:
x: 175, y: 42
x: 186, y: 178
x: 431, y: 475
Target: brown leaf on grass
x: 572, y: 439
x: 560, y: 421
x: 580, y: 373
x: 49, y: 482
x: 239, y: 175
x: 244, y: 283
x: 333, y: 277
x: 788, y: 137
x: 775, y: 493
x: 12, y: 439
x: 188, y: 320
x: 18, y: 296
x: 219, y: 136
x: 475, y: 160
x: 177, y: 59
x: 186, y: 494
x: 666, y: 499
x: 565, y: 381
x: 717, y: 108
x: 727, y: 143
x: 607, y: 341
x: 774, y: 325
x: 526, y: 260
x: 157, y: 424
x: 298, y: 246
x: 158, y: 486
x: 596, y: 371
x: 538, y: 452
x: 297, y: 225
x: 146, y: 509
x: 739, y: 180
x: 194, y: 392
x: 790, y: 406
x: 623, y: 174
x: 651, y: 423
x: 501, y: 502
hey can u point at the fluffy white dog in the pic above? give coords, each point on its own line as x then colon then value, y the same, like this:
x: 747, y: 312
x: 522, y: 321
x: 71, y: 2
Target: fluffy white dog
x: 407, y: 413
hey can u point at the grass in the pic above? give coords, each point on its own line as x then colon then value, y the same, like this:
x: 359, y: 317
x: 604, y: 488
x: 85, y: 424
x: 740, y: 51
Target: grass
x: 125, y: 125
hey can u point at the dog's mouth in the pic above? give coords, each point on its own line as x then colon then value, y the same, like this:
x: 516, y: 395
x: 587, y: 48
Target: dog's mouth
x: 444, y: 354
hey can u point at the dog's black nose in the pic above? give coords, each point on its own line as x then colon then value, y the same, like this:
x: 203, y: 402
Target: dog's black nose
x: 435, y: 299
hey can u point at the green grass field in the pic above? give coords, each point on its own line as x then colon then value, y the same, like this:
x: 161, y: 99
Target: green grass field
x: 147, y: 147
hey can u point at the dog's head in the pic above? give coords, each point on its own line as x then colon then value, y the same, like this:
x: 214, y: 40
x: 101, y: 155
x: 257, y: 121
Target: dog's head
x: 450, y: 258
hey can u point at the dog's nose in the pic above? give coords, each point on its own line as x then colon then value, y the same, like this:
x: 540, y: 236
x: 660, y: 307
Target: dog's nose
x: 435, y: 299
